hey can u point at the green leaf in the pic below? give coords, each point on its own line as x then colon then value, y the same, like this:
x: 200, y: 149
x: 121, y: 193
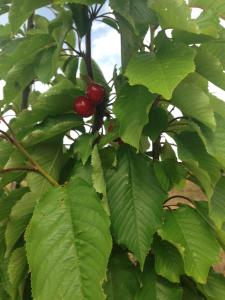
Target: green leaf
x: 45, y: 67
x: 175, y: 171
x: 83, y: 146
x: 60, y: 26
x: 131, y: 10
x: 122, y: 280
x: 8, y: 201
x: 157, y: 288
x: 69, y: 230
x: 17, y: 270
x: 218, y: 6
x: 112, y: 23
x: 49, y: 157
x: 135, y: 200
x: 130, y: 42
x: 193, y: 238
x: 215, y: 141
x: 57, y: 100
x: 214, y: 288
x: 19, y: 218
x: 98, y: 177
x: 174, y: 14
x: 70, y: 68
x: 217, y: 204
x: 80, y: 17
x: 190, y: 147
x: 20, y: 11
x: 161, y: 175
x: 19, y: 76
x: 6, y: 150
x: 51, y: 128
x: 202, y: 177
x: 162, y: 71
x: 158, y: 122
x: 98, y: 75
x: 217, y: 49
x: 194, y: 103
x: 131, y: 109
x: 168, y: 261
x: 208, y: 23
x: 214, y: 69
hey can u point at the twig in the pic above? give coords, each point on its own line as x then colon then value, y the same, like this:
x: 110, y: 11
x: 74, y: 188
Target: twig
x: 12, y: 139
x: 18, y: 169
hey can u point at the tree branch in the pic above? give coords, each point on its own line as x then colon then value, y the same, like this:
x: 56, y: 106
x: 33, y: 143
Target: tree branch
x: 12, y: 139
x: 18, y: 169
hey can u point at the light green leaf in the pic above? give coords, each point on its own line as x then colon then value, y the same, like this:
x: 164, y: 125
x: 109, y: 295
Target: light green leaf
x: 57, y: 100
x: 131, y: 10
x: 162, y: 71
x: 8, y: 201
x: 83, y: 146
x: 174, y: 14
x: 49, y: 157
x: 45, y: 67
x: 97, y: 72
x: 98, y: 177
x: 69, y: 230
x: 18, y: 219
x: 208, y: 23
x: 51, y: 128
x: 6, y: 150
x: 157, y: 288
x: 214, y: 288
x: 122, y: 280
x: 213, y: 70
x: 131, y: 109
x: 17, y: 270
x: 217, y: 204
x: 215, y: 141
x: 21, y: 10
x: 194, y: 103
x: 218, y: 6
x: 19, y: 76
x: 168, y: 261
x: 190, y: 147
x: 130, y: 42
x: 193, y: 238
x: 135, y: 200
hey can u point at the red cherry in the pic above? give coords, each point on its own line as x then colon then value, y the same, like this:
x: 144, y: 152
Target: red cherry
x: 95, y: 93
x: 83, y: 107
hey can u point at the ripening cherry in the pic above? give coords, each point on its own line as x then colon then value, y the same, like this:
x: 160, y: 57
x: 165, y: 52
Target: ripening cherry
x: 95, y: 93
x: 83, y: 106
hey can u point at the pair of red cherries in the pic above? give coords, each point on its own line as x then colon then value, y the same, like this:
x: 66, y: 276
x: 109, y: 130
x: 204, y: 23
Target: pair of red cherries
x: 85, y: 106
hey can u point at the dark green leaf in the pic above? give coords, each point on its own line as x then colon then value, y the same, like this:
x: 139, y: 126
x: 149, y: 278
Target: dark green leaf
x: 135, y: 200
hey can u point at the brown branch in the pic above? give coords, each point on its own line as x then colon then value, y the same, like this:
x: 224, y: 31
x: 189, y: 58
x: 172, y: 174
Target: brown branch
x: 18, y: 169
x: 179, y: 196
x: 12, y: 139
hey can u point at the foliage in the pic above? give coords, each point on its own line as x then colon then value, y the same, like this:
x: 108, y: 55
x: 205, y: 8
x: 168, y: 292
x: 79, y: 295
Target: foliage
x: 85, y: 204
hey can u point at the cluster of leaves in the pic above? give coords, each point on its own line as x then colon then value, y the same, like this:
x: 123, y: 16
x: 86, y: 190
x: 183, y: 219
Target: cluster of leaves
x: 93, y: 220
